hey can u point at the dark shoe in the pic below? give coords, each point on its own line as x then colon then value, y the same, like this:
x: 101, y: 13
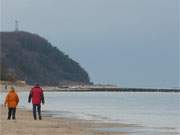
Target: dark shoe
x: 40, y: 118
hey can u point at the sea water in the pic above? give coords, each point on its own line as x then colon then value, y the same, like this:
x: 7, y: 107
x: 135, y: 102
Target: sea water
x: 157, y: 112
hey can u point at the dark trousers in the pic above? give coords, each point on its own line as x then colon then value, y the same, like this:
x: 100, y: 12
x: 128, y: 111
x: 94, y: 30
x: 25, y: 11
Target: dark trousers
x: 37, y: 108
x: 11, y: 112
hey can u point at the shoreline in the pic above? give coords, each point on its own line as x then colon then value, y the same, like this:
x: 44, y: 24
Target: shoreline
x: 24, y: 124
x: 72, y: 125
x: 49, y: 125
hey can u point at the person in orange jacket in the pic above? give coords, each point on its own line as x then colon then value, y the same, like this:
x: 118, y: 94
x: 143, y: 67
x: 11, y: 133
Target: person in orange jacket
x: 11, y: 101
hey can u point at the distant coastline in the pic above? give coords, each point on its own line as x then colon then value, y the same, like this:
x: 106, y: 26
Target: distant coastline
x: 114, y: 90
x: 88, y: 88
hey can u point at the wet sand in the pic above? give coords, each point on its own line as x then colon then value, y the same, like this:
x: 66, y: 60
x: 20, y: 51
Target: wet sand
x: 25, y: 125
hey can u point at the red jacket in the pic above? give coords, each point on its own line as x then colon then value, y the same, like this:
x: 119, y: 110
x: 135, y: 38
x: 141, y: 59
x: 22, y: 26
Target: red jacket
x: 37, y: 96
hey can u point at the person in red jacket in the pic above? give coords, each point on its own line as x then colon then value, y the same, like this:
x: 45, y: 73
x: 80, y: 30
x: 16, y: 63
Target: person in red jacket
x: 37, y: 96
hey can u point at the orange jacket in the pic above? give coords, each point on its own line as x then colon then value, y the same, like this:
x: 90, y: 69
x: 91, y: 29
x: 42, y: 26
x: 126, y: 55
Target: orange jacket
x: 12, y: 99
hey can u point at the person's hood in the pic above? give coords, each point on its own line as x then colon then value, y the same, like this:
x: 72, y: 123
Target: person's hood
x: 36, y: 85
x: 12, y: 91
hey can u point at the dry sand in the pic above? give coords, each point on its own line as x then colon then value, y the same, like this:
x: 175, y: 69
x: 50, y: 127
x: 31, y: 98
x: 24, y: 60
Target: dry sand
x: 25, y: 125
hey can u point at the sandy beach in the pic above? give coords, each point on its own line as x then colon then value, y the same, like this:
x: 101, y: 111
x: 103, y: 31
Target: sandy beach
x: 25, y: 125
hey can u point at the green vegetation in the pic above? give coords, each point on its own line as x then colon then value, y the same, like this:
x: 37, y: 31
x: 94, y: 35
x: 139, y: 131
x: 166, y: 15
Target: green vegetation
x: 29, y: 57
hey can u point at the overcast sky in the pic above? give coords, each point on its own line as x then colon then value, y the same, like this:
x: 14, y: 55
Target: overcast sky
x: 131, y: 43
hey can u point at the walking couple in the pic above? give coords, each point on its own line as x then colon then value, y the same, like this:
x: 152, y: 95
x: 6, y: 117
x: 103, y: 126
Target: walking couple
x: 12, y: 100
